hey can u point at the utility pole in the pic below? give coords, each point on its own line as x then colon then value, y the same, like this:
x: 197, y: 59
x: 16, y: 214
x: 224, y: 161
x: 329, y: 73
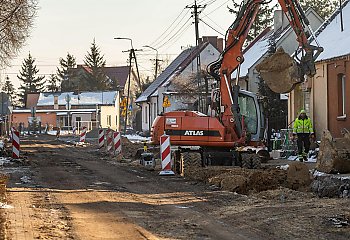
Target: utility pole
x: 157, y: 60
x: 197, y: 9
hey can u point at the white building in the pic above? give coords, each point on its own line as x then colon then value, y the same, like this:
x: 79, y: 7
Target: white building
x: 184, y: 66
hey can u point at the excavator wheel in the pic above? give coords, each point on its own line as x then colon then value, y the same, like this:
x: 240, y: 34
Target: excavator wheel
x: 189, y: 161
x: 280, y: 72
x: 251, y: 161
x: 177, y: 161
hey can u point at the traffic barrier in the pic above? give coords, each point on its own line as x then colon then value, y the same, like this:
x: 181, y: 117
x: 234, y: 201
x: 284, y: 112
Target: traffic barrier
x: 83, y: 135
x: 109, y: 140
x: 11, y: 132
x: 117, y: 143
x: 101, y: 138
x: 15, y: 144
x: 165, y: 154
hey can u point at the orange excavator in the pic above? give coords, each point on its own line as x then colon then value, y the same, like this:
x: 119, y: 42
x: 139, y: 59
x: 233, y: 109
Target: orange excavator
x: 232, y: 134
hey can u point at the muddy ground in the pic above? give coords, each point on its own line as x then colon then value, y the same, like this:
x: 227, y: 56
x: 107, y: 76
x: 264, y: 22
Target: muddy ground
x: 71, y: 192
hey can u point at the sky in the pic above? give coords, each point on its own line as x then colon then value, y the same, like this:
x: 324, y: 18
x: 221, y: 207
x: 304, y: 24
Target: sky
x: 70, y: 26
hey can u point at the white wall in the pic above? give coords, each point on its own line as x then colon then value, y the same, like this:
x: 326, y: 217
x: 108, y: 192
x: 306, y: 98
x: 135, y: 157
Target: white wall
x: 208, y: 55
x: 114, y: 113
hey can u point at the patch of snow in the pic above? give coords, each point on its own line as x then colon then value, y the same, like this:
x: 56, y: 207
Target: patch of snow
x: 5, y: 206
x: 84, y: 98
x: 25, y: 179
x: 292, y: 158
x: 4, y: 161
x: 283, y: 167
x: 63, y: 132
x: 137, y: 138
x: 318, y: 174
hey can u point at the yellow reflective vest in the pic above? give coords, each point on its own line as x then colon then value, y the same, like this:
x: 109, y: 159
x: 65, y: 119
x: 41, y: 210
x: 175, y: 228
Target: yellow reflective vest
x: 303, y: 126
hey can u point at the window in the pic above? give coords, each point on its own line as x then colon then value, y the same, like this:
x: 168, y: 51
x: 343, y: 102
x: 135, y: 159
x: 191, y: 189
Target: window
x: 341, y: 95
x: 248, y: 111
x: 155, y: 110
x: 109, y: 120
x: 146, y: 114
x: 78, y: 119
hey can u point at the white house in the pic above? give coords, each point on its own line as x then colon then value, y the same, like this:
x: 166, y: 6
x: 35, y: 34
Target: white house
x: 89, y: 109
x: 184, y: 66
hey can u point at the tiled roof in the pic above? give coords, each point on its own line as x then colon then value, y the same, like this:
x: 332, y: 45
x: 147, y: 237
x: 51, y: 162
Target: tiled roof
x: 175, y: 67
x: 119, y: 73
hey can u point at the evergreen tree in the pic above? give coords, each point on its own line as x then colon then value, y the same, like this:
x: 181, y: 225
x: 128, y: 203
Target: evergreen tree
x: 64, y: 73
x: 323, y: 8
x: 30, y: 82
x: 9, y: 89
x: 53, y: 84
x: 96, y: 62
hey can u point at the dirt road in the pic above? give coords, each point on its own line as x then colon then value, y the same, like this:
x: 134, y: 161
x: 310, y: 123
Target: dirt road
x: 73, y: 193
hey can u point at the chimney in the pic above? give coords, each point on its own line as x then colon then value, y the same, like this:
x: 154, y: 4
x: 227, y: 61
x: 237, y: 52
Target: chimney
x: 55, y: 102
x: 213, y: 40
x: 220, y: 44
x: 279, y: 20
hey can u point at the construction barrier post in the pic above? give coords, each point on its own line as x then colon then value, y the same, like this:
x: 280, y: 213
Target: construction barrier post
x: 117, y: 143
x: 15, y: 144
x: 165, y: 154
x: 109, y: 140
x: 101, y: 138
x: 83, y: 135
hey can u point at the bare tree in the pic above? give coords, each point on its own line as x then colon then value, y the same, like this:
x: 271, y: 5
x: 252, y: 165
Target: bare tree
x: 16, y: 20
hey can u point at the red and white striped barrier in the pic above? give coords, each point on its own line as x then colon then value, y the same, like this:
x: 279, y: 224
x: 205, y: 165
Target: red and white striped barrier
x: 117, y: 143
x: 11, y: 133
x: 165, y: 154
x: 101, y: 138
x: 83, y: 135
x: 109, y: 140
x: 15, y: 144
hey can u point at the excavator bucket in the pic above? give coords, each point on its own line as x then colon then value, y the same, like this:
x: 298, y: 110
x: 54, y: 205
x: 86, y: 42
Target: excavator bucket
x: 279, y: 71
x: 334, y: 154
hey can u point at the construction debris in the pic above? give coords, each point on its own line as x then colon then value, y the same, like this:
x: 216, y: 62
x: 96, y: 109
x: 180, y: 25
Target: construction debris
x: 330, y: 186
x: 334, y: 154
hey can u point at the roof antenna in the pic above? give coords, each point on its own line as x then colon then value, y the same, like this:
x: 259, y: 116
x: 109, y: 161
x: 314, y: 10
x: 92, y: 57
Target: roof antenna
x: 341, y: 17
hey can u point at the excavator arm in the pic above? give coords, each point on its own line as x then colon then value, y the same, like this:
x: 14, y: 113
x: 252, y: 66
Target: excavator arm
x: 232, y: 57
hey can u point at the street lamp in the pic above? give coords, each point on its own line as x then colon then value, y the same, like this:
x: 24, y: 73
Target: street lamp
x: 124, y: 38
x: 157, y: 60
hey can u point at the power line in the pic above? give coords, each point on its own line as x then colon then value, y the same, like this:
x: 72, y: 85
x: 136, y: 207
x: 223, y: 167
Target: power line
x: 174, y: 35
x: 212, y: 28
x: 217, y: 8
x: 158, y: 39
x: 215, y: 23
x: 179, y: 36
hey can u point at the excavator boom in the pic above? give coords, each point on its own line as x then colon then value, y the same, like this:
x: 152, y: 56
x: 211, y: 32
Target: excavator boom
x: 280, y: 71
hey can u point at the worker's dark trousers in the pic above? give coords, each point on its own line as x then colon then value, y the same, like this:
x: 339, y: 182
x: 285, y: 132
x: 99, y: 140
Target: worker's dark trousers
x: 303, y: 141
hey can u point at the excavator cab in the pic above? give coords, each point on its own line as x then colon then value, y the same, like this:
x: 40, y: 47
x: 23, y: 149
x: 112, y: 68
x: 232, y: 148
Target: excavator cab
x: 251, y: 111
x: 249, y: 108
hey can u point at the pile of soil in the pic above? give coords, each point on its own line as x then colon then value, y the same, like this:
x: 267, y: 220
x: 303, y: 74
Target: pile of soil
x: 243, y: 181
x: 129, y: 148
x: 279, y: 71
x: 298, y: 176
